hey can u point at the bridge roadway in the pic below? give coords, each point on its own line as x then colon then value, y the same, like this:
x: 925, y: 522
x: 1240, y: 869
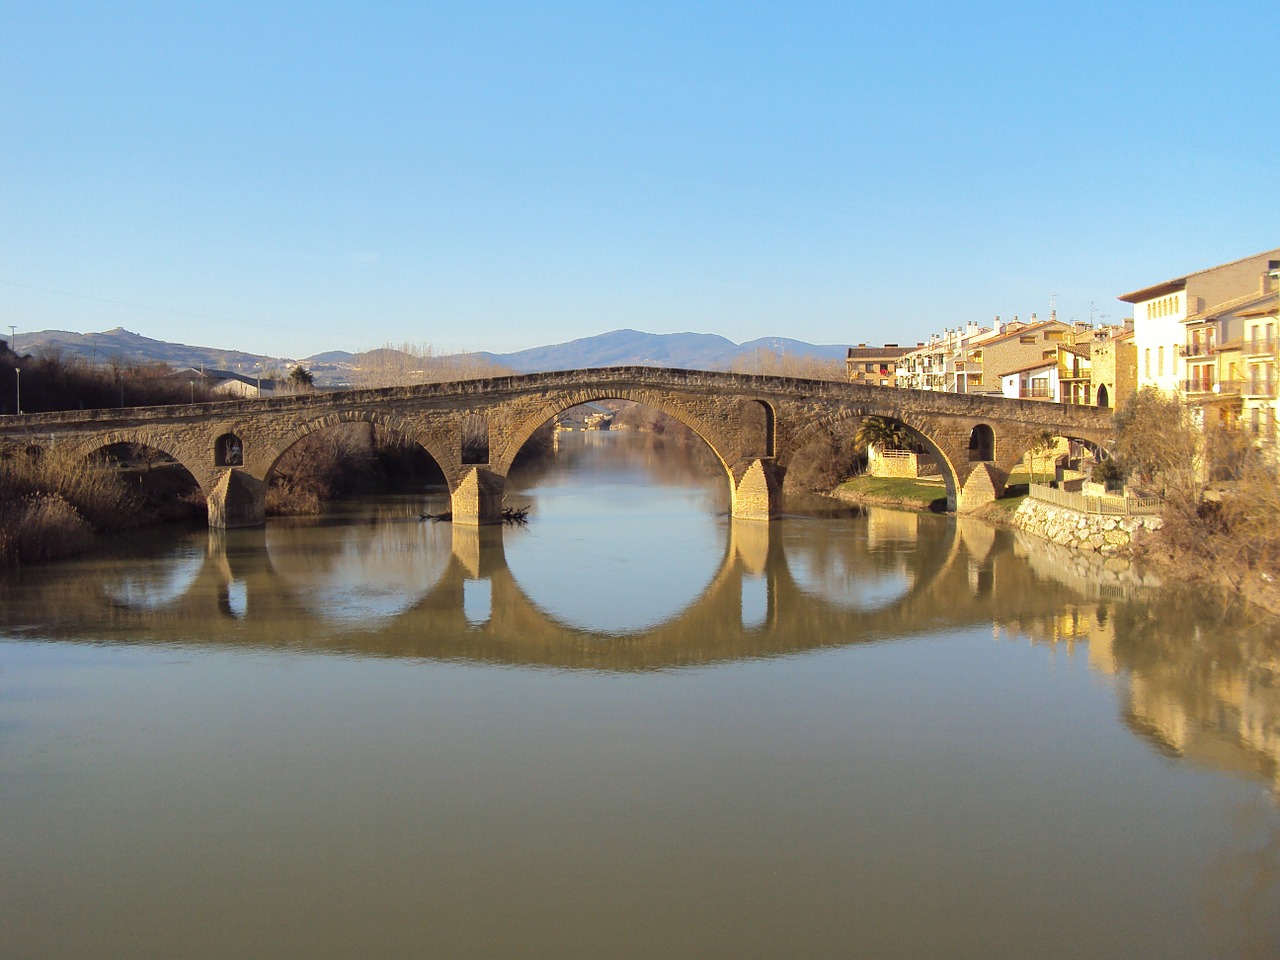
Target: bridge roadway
x: 756, y: 426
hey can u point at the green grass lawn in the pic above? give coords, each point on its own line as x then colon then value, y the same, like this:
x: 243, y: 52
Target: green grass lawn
x: 923, y: 492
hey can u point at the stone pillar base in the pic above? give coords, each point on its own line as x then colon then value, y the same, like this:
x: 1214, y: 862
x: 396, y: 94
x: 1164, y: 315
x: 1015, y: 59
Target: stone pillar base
x: 757, y: 494
x: 984, y: 484
x: 478, y: 498
x: 238, y: 500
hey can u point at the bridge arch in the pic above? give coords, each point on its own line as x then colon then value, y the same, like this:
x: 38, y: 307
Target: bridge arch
x: 173, y: 448
x: 1021, y: 442
x: 263, y: 464
x: 840, y: 422
x: 555, y: 405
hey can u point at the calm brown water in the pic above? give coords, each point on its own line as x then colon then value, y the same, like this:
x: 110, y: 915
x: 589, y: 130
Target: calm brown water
x: 632, y: 729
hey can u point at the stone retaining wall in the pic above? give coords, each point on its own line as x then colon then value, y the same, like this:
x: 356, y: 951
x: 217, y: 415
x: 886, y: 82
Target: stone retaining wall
x: 1092, y: 533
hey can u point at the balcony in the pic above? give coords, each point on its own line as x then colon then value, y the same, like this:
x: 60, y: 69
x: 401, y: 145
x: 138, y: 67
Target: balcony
x: 1035, y: 392
x: 1202, y: 386
x: 1199, y: 351
x: 1259, y: 347
x: 1259, y: 389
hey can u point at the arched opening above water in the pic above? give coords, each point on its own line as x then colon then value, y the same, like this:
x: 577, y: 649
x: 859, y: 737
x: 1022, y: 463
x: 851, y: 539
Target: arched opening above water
x: 339, y: 460
x: 165, y: 489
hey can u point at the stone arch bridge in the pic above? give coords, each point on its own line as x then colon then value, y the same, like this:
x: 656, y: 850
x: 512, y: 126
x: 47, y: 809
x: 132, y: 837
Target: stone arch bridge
x: 756, y: 426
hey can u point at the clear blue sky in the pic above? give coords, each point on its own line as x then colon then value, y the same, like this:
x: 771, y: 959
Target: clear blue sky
x: 288, y: 178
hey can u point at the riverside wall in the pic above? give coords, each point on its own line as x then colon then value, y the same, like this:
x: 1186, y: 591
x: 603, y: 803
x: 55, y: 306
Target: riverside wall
x: 1087, y: 532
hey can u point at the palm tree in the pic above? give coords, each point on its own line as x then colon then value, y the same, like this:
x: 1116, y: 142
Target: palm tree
x: 884, y: 434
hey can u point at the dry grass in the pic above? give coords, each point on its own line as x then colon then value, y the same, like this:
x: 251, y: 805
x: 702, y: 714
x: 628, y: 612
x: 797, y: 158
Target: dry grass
x: 51, y: 505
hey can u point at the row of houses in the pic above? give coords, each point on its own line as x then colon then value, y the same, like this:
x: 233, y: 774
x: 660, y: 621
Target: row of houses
x: 1209, y: 337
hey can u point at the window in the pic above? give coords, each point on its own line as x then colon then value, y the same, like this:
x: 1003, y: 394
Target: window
x: 1160, y: 363
x: 1146, y: 362
x: 1026, y: 339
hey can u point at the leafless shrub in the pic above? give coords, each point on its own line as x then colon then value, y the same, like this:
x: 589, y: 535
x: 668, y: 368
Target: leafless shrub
x: 825, y: 463
x: 408, y: 364
x: 42, y: 526
x: 322, y: 466
x: 778, y: 364
x: 646, y: 419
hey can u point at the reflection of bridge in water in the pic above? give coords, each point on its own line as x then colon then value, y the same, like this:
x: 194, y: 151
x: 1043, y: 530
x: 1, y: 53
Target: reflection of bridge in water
x: 387, y: 592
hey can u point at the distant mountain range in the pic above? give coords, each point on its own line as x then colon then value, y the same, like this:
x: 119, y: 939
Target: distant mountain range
x: 694, y: 351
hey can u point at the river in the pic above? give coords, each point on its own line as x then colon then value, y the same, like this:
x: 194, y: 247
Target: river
x: 631, y: 728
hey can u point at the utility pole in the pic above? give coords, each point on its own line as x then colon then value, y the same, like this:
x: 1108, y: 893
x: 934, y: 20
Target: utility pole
x: 17, y: 381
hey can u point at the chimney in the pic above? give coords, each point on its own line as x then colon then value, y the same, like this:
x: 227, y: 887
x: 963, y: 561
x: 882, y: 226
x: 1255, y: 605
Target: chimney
x: 1033, y: 317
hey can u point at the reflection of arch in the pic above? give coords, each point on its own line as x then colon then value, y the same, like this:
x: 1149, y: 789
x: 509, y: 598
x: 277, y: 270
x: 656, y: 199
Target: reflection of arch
x: 228, y: 451
x: 1104, y: 398
x: 242, y: 597
x: 982, y: 443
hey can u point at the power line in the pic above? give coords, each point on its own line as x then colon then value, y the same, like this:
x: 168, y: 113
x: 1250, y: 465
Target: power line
x: 168, y: 310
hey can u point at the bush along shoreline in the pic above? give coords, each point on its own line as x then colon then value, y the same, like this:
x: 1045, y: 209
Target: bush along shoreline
x: 54, y: 506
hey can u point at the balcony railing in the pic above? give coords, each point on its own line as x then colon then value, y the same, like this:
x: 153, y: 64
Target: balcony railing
x: 1037, y: 392
x: 1199, y: 385
x: 1260, y: 347
x: 1262, y: 389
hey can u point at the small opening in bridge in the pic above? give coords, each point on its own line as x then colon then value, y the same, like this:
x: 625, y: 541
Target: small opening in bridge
x: 475, y: 439
x: 228, y: 451
x: 982, y: 443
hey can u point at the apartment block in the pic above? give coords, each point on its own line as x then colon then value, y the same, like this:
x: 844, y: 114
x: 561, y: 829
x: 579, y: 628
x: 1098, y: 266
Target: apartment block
x: 877, y: 366
x: 1211, y: 337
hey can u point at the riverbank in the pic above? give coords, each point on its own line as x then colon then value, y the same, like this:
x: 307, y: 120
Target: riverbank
x: 899, y: 493
x: 1112, y: 541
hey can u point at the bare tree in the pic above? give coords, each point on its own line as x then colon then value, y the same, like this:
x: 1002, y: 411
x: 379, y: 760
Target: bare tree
x: 779, y: 364
x: 407, y: 364
x: 1158, y: 444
